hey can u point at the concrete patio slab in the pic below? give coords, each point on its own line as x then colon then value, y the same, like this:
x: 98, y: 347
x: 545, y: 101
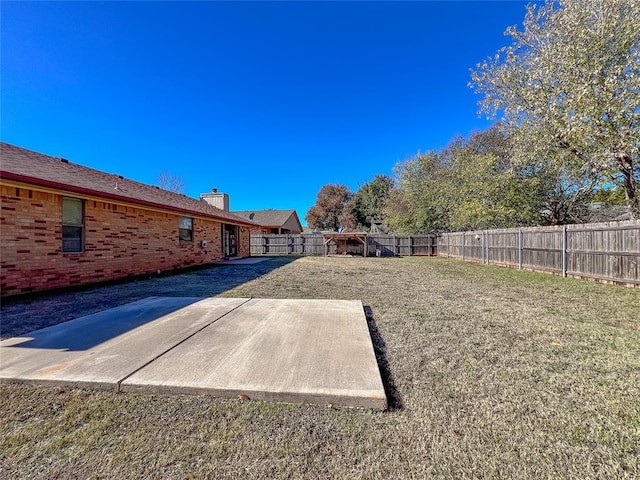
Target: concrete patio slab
x: 102, y: 349
x: 307, y: 351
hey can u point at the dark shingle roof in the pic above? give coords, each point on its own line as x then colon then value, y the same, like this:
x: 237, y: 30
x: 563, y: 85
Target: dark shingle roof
x: 268, y: 218
x: 32, y: 167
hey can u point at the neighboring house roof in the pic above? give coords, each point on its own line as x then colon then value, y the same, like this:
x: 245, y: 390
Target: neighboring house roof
x: 379, y: 227
x: 27, y: 166
x: 273, y: 218
x: 600, y: 212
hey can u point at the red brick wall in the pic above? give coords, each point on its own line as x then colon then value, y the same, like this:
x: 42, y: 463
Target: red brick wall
x: 244, y: 245
x: 119, y: 241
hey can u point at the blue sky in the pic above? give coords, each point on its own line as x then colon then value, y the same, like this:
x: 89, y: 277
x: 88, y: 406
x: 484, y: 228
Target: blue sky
x: 266, y: 101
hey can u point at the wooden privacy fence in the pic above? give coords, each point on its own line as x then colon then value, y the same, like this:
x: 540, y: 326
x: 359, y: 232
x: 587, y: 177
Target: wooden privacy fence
x: 286, y: 244
x: 314, y: 244
x: 602, y: 251
x: 406, y: 246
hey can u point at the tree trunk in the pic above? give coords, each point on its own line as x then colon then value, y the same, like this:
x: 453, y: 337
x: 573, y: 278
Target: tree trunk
x: 630, y: 186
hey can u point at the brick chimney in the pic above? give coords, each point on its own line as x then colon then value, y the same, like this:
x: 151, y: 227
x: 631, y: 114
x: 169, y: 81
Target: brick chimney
x: 218, y: 200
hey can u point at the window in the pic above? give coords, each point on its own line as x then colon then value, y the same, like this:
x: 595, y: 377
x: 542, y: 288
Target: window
x: 72, y: 225
x: 185, y: 229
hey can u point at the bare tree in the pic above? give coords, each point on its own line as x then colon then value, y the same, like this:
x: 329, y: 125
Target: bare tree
x: 171, y: 182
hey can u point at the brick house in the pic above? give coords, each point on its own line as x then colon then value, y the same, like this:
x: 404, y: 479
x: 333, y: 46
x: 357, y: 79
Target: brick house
x: 63, y: 224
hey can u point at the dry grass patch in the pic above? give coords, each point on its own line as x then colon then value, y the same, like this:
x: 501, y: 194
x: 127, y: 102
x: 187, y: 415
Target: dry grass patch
x: 496, y: 373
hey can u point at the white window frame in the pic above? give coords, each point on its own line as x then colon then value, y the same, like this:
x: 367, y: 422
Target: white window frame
x: 182, y: 221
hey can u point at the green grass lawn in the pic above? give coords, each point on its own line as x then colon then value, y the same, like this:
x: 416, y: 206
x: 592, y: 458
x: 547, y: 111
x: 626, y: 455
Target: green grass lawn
x: 491, y: 373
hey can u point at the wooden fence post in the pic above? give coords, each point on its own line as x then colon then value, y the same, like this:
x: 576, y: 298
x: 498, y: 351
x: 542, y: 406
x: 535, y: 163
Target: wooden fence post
x: 488, y: 251
x: 520, y: 249
x: 564, y: 250
x: 483, y: 245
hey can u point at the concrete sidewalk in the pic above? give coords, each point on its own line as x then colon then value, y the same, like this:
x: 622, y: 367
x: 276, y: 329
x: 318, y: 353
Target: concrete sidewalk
x: 301, y: 351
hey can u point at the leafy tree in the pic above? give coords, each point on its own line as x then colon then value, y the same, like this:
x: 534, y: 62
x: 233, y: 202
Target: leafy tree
x: 330, y: 211
x: 610, y: 196
x: 571, y: 77
x: 367, y: 204
x: 416, y: 204
x: 562, y: 197
x: 470, y: 184
x: 565, y: 188
x: 483, y: 190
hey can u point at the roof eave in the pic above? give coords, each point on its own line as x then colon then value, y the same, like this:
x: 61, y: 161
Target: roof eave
x: 97, y: 193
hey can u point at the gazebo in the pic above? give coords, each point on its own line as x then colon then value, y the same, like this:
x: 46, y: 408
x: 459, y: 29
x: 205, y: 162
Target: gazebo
x: 345, y: 243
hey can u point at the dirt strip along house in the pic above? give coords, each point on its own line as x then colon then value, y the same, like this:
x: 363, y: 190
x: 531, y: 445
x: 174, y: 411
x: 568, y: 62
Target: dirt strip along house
x: 64, y: 224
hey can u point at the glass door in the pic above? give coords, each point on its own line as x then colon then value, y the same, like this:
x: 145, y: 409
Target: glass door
x: 229, y: 235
